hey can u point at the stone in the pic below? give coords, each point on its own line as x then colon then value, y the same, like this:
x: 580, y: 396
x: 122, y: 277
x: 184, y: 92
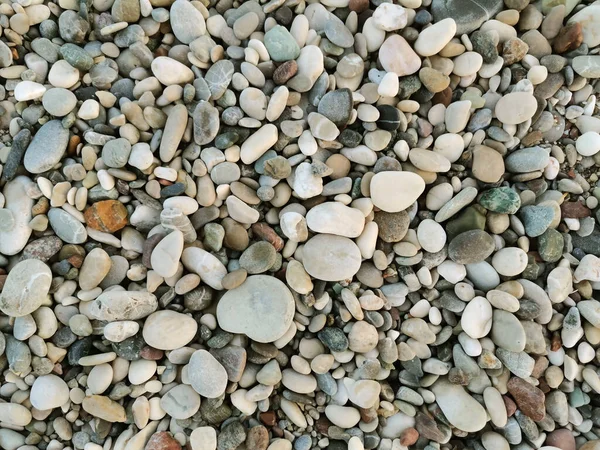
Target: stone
x: 187, y: 22
x: 170, y: 71
x: 471, y: 247
x: 488, y: 164
x: 280, y: 44
x: 335, y: 218
x: 206, y: 123
x: 501, y: 200
x: 515, y: 108
x: 530, y: 399
x: 67, y: 227
x: 107, y: 216
x: 96, y: 266
x: 262, y: 308
x: 588, y: 18
x: 47, y: 147
x: 205, y: 264
x: 181, y: 402
x: 395, y: 191
x: 527, y: 160
x: 536, y: 219
x: 469, y: 15
x: 396, y: 55
x: 433, y: 39
x: 163, y: 440
x: 322, y: 249
x: 390, y: 17
x: 206, y: 375
x: 476, y: 319
x: 459, y: 408
x: 337, y: 106
x: 25, y: 288
x: 166, y: 254
x: 169, y: 330
x: 123, y: 305
x: 104, y: 408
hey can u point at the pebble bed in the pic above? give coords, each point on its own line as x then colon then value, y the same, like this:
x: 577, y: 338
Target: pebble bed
x: 335, y: 224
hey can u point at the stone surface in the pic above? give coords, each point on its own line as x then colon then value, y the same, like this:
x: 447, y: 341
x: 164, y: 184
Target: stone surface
x: 207, y: 376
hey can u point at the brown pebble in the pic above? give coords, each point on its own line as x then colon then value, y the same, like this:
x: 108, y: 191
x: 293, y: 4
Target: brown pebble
x: 2, y: 280
x: 107, y: 216
x: 530, y: 400
x: 268, y: 418
x: 73, y: 143
x: 285, y: 71
x: 266, y: 233
x: 162, y: 440
x: 322, y: 425
x: 510, y: 405
x: 561, y: 438
x: 358, y: 6
x: 277, y: 432
x: 368, y: 415
x: 574, y: 210
x: 444, y: 97
x: 76, y: 261
x: 514, y: 50
x: 234, y: 279
x: 257, y: 438
x: 151, y: 353
x: 533, y: 138
x: 569, y: 38
x: 409, y: 437
x: 42, y: 206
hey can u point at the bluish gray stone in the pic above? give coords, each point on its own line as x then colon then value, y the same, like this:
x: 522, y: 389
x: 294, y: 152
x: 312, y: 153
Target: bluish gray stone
x: 536, y: 219
x: 527, y: 160
x: 47, y: 147
x: 67, y: 227
x: 280, y: 44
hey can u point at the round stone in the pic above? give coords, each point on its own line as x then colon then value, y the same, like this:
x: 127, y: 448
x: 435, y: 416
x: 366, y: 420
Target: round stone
x: 471, y: 247
x: 515, y: 108
x: 48, y: 392
x: 262, y: 308
x: 169, y: 330
x: 331, y: 258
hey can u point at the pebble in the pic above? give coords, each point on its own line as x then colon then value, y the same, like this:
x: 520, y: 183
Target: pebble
x: 169, y: 330
x: 47, y: 147
x: 207, y: 376
x: 407, y: 187
x: 48, y: 392
x: 26, y: 288
x: 322, y: 248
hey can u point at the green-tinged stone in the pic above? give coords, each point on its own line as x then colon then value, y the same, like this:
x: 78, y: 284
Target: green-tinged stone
x: 470, y: 219
x: 550, y: 245
x: 536, y: 219
x: 533, y: 270
x: 77, y: 57
x: 334, y: 339
x: 280, y: 44
x: 501, y: 200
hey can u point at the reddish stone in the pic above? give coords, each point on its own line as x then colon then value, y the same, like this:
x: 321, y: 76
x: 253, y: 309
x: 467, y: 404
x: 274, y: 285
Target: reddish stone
x: 257, y: 438
x: 409, y: 437
x: 561, y: 438
x: 322, y: 425
x: 285, y: 71
x: 510, y: 405
x: 151, y: 353
x: 555, y: 342
x: 76, y: 261
x: 444, y: 97
x: 268, y: 418
x: 2, y: 281
x: 368, y: 415
x: 574, y: 210
x: 530, y: 399
x: 514, y: 51
x: 266, y: 233
x: 428, y: 428
x: 569, y: 37
x: 162, y: 440
x: 107, y: 216
x: 74, y: 142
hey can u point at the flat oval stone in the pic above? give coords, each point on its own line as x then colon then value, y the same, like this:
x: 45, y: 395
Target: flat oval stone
x: 13, y: 240
x: 187, y: 22
x: 47, y: 147
x: 470, y: 247
x: 336, y: 218
x: 25, y: 288
x: 206, y: 375
x: 501, y: 200
x: 331, y: 258
x: 181, y: 402
x: 205, y: 264
x: 169, y: 330
x: 67, y: 227
x: 461, y: 410
x: 48, y: 392
x: 262, y: 308
x: 516, y: 107
x: 396, y: 191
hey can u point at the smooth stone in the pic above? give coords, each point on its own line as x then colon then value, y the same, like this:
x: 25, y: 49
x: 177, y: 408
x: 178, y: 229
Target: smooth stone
x: 431, y: 235
x: 587, y: 66
x: 337, y: 106
x: 48, y: 392
x: 205, y: 264
x: 14, y: 414
x: 471, y: 247
x: 342, y: 416
x: 25, y: 288
x: 206, y: 123
x: 187, y: 22
x: 96, y: 266
x: 47, y: 147
x: 395, y: 191
x: 170, y: 71
x: 19, y: 204
x: 280, y: 44
x: 515, y: 108
x: 262, y: 308
x: 468, y: 14
x: 510, y: 261
x: 588, y: 18
x: 501, y: 200
x: 507, y: 332
x: 433, y: 39
x: 336, y: 218
x: 396, y: 55
x: 206, y: 375
x: 169, y: 330
x: 527, y: 160
x: 476, y: 319
x: 59, y: 102
x: 461, y: 410
x: 165, y: 256
x: 536, y: 219
x: 320, y: 251
x: 104, y: 408
x: 181, y: 402
x: 67, y: 227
